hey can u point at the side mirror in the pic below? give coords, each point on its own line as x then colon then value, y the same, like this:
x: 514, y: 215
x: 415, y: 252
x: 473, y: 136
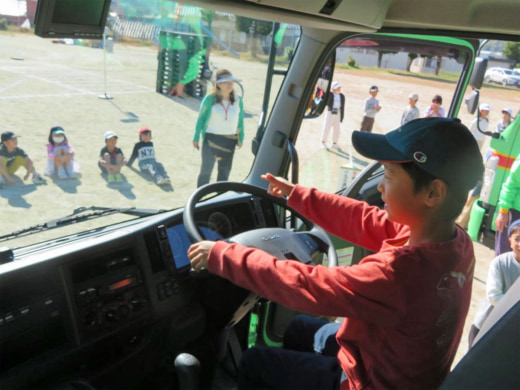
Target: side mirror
x: 472, y: 101
x: 318, y: 99
x: 479, y: 71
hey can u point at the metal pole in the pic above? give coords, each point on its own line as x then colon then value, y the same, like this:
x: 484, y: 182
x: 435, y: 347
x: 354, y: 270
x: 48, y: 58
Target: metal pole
x: 105, y: 96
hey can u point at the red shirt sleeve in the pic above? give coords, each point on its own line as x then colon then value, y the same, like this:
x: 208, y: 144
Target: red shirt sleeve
x: 365, y: 291
x: 350, y: 219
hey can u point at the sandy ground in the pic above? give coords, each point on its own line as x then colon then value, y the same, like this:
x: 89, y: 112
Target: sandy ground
x: 41, y: 88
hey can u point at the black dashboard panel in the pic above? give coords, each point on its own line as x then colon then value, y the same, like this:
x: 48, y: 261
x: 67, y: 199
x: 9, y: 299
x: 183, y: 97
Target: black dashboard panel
x: 92, y: 304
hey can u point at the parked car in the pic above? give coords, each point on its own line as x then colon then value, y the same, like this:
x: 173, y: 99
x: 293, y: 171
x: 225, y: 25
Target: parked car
x: 502, y: 76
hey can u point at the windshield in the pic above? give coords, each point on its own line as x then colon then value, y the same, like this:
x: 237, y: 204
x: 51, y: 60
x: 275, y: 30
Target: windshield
x: 67, y: 104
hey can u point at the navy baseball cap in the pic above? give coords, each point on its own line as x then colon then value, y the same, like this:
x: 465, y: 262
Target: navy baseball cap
x: 443, y: 147
x: 7, y: 135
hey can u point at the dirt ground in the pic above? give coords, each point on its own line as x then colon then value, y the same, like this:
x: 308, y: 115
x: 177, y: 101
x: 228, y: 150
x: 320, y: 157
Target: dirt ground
x: 27, y: 86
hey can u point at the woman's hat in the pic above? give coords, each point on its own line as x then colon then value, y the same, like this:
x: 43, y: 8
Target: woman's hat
x: 225, y: 77
x: 485, y: 107
x: 143, y: 129
x: 509, y: 111
x: 335, y: 85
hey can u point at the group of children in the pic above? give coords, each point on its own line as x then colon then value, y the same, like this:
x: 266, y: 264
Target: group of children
x: 61, y: 162
x: 336, y: 111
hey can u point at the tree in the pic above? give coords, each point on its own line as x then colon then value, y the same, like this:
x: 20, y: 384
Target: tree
x: 254, y: 28
x: 438, y: 65
x: 512, y: 51
x: 380, y: 54
x: 411, y: 57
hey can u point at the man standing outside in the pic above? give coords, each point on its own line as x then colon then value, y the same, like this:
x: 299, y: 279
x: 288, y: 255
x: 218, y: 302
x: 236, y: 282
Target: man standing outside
x: 334, y: 116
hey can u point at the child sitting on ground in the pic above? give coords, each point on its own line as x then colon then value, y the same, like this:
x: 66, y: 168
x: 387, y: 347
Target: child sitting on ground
x: 404, y: 306
x: 145, y: 154
x: 60, y: 154
x: 111, y: 158
x: 12, y: 158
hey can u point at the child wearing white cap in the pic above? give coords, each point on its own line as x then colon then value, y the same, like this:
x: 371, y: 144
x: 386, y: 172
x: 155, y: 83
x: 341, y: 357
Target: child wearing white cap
x: 507, y: 115
x: 480, y: 124
x: 411, y: 112
x: 333, y: 116
x: 477, y: 127
x: 111, y: 158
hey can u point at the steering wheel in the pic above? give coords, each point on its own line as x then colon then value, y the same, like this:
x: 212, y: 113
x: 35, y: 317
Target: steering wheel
x: 279, y: 242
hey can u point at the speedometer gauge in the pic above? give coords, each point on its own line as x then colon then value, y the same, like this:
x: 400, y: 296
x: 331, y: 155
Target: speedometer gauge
x: 220, y: 223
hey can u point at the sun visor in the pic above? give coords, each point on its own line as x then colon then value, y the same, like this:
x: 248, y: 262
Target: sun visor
x: 369, y: 13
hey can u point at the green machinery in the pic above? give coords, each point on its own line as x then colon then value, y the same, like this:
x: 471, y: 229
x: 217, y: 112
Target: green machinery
x: 505, y: 150
x: 182, y: 59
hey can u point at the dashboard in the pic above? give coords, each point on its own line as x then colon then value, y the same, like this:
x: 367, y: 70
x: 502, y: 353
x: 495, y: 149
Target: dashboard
x: 91, y: 305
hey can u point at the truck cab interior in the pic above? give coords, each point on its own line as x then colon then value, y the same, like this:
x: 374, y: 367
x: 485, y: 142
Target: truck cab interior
x: 115, y: 305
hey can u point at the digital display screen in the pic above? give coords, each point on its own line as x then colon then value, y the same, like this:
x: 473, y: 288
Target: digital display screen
x: 180, y: 243
x: 121, y: 284
x: 86, y: 12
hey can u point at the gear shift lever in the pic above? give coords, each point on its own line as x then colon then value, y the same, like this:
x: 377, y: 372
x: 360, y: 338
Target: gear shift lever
x: 188, y: 368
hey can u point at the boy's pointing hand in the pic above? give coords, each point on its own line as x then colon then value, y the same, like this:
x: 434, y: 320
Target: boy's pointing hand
x: 278, y: 186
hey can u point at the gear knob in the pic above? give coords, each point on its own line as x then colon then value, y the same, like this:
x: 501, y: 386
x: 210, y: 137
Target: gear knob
x: 187, y: 367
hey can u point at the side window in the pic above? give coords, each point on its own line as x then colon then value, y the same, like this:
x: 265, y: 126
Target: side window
x: 378, y: 82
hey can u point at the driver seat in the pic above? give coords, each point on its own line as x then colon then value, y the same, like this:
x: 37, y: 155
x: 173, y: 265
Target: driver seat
x: 494, y: 360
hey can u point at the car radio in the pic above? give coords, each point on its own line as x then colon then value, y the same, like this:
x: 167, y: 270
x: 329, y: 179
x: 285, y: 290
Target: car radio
x: 109, y: 292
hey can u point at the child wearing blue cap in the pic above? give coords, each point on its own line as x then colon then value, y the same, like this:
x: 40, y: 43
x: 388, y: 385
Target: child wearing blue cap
x: 503, y: 272
x: 13, y: 157
x: 404, y: 306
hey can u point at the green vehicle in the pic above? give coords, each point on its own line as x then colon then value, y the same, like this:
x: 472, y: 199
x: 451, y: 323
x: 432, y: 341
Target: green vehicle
x: 506, y: 149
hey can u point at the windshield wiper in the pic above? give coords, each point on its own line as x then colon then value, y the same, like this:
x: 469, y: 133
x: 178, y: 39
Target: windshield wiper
x: 79, y: 215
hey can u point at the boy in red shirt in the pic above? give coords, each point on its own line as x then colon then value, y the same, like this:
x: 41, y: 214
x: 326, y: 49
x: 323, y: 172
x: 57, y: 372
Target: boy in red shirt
x: 404, y: 305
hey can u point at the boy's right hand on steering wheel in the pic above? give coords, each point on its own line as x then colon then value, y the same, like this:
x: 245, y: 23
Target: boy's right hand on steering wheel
x: 278, y: 186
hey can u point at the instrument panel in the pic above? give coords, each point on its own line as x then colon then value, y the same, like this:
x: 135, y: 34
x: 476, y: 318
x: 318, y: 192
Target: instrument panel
x: 127, y: 288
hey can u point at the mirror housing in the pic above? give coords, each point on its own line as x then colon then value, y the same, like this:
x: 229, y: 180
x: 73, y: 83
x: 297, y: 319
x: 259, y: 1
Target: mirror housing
x: 472, y: 101
x: 477, y: 76
x: 319, y: 96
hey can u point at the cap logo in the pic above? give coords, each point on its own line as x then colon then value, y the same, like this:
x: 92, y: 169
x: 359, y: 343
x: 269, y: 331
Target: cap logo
x: 420, y: 157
